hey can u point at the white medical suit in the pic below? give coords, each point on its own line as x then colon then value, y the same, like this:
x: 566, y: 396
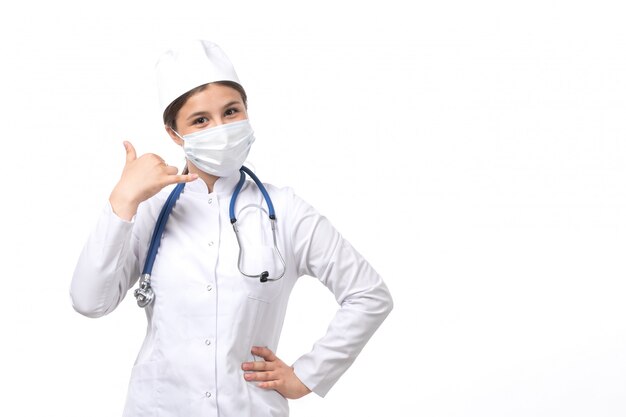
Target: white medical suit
x: 207, y: 316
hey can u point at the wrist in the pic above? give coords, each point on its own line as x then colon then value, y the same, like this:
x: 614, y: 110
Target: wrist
x: 123, y: 207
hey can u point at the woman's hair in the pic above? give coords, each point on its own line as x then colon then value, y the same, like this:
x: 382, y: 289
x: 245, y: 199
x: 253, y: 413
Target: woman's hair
x: 170, y: 113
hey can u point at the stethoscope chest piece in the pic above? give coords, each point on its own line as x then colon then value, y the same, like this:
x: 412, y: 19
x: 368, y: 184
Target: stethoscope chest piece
x: 144, y: 294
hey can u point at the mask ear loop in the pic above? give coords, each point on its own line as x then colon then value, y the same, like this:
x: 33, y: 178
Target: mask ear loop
x: 186, y: 168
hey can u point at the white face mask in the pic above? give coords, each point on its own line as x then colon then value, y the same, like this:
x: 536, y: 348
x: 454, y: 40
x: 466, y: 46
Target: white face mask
x: 219, y: 150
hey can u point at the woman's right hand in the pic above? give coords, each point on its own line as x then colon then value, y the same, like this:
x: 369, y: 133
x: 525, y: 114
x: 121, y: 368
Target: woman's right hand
x: 142, y: 178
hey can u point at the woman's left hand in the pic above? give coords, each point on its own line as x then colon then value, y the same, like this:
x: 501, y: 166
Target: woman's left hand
x: 274, y: 374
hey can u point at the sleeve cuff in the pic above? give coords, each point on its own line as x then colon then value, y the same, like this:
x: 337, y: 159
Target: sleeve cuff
x: 304, y: 370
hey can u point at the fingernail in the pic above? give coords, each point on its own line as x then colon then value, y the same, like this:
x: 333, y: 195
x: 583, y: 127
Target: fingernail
x: 247, y: 376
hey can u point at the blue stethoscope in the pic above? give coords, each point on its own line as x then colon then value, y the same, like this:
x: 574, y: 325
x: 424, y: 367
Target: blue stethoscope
x: 145, y: 294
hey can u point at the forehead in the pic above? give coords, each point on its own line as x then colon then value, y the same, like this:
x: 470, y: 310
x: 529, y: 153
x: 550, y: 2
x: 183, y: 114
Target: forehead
x: 212, y: 97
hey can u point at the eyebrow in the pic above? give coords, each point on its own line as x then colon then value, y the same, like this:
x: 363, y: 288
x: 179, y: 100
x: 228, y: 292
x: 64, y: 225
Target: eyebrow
x: 196, y: 114
x: 205, y: 113
x: 231, y: 103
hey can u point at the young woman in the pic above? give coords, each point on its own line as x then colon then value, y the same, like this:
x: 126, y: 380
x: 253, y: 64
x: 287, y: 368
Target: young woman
x: 216, y: 299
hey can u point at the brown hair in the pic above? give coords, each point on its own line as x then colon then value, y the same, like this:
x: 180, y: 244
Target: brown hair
x: 170, y: 113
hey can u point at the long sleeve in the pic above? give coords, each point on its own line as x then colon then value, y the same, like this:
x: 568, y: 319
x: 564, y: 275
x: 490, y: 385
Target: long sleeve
x: 364, y: 299
x: 107, y: 266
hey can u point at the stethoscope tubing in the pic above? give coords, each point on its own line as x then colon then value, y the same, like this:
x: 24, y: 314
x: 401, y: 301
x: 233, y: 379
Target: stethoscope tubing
x: 242, y: 179
x: 145, y: 294
x: 155, y: 241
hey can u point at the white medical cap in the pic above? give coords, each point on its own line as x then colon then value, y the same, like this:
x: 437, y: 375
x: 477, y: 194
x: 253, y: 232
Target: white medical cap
x: 190, y: 65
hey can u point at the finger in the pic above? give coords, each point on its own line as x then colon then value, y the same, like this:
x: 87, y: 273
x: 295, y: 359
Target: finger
x: 264, y: 352
x: 258, y: 366
x: 171, y: 170
x: 260, y: 376
x: 131, y: 155
x: 269, y: 384
x: 177, y: 179
x: 154, y: 157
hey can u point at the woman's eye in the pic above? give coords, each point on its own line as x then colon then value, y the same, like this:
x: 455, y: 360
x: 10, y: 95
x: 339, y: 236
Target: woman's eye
x: 200, y: 120
x: 231, y: 112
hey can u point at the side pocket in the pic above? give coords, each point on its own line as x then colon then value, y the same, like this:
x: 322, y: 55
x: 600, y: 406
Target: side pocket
x: 141, y: 399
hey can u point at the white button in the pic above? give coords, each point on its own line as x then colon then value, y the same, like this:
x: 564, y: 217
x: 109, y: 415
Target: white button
x: 211, y: 243
x: 208, y: 342
x: 209, y: 287
x: 208, y: 394
x: 210, y: 200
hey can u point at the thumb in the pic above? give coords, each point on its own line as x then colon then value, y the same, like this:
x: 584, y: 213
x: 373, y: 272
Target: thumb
x: 131, y: 155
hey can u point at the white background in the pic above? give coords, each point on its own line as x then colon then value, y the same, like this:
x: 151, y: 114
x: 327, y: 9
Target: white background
x: 473, y: 151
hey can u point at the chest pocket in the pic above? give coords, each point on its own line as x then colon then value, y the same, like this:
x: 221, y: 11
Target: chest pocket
x: 256, y: 261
